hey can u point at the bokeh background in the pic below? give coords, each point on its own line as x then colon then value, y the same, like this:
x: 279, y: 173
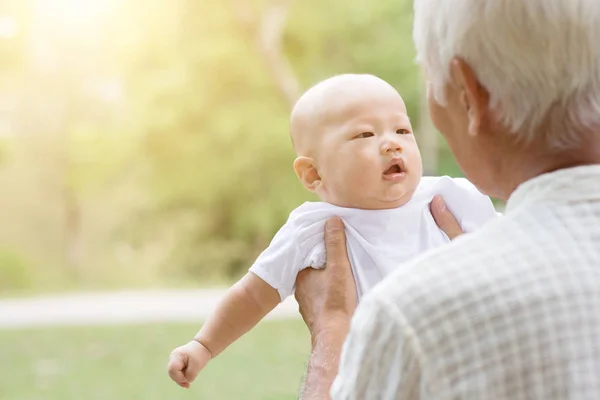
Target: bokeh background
x: 144, y: 144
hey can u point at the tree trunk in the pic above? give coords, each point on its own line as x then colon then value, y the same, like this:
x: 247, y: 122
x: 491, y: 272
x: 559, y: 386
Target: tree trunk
x: 73, y: 250
x: 268, y: 34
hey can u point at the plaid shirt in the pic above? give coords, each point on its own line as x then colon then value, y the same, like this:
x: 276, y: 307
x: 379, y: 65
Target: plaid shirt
x: 510, y: 312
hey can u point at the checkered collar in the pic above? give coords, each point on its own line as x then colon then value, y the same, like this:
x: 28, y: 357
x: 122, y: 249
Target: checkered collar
x: 568, y: 184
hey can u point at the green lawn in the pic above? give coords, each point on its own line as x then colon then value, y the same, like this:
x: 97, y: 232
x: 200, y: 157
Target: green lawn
x: 129, y: 362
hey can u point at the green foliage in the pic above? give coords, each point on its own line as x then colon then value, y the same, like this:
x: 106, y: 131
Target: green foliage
x: 15, y: 272
x: 4, y: 152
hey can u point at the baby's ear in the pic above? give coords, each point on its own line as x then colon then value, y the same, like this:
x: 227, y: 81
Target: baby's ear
x: 307, y: 173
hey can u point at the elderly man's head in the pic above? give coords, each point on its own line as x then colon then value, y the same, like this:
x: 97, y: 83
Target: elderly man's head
x: 511, y: 79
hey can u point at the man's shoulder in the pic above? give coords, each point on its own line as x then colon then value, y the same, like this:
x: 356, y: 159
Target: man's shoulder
x: 451, y: 270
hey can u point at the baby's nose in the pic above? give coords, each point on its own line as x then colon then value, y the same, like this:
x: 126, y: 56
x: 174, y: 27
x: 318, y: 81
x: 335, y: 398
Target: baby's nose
x: 391, y: 147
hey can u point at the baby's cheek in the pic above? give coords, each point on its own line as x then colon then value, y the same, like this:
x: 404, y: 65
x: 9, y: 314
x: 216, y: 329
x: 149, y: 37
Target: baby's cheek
x: 365, y: 177
x: 356, y: 170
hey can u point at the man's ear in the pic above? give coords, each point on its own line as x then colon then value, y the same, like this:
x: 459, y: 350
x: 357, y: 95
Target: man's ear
x: 473, y: 96
x: 307, y: 172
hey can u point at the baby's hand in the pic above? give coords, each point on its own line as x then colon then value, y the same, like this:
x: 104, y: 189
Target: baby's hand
x: 186, y: 362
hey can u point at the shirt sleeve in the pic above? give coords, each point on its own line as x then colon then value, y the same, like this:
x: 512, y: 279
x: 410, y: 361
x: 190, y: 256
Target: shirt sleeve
x: 297, y: 245
x: 381, y: 358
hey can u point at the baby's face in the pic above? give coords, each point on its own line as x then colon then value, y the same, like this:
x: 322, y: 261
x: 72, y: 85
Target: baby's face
x: 367, y: 156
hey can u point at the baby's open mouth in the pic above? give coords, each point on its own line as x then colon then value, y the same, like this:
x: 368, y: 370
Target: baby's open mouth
x: 394, y: 169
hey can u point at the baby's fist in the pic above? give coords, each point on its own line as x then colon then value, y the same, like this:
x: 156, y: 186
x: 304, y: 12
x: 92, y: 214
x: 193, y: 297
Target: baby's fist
x: 186, y: 362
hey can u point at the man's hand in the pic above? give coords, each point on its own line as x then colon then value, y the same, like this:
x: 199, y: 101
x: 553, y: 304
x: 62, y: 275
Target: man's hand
x: 327, y: 300
x: 327, y: 297
x: 444, y: 218
x: 186, y: 362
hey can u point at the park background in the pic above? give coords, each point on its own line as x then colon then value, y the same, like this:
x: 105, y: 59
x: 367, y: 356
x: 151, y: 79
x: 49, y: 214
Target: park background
x: 144, y: 146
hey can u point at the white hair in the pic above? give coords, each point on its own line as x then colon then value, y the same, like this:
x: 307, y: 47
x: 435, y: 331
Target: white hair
x: 539, y: 60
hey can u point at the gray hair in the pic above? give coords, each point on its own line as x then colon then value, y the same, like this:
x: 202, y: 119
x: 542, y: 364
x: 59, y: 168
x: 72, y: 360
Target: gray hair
x: 539, y: 60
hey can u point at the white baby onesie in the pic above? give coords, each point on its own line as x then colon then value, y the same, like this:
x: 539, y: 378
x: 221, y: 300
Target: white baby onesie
x: 378, y: 241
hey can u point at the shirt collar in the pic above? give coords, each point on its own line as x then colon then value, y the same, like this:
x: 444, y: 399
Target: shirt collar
x: 568, y: 184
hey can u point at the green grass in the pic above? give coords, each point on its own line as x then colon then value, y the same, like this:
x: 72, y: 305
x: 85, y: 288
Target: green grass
x: 129, y: 362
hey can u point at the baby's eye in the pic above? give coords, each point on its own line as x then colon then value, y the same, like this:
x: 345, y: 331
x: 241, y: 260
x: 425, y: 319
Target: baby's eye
x: 364, y: 135
x: 403, y: 132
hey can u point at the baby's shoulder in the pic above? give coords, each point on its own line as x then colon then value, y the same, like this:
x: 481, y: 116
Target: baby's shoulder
x: 448, y: 186
x: 314, y: 211
x: 309, y: 207
x: 471, y: 207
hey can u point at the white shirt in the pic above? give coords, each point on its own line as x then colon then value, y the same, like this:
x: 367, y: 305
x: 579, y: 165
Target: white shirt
x: 377, y: 240
x: 510, y: 312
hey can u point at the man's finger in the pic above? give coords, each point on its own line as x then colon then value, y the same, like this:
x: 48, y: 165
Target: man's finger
x: 444, y: 218
x: 335, y: 243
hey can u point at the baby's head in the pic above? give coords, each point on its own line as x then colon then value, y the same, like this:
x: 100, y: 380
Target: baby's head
x: 355, y: 144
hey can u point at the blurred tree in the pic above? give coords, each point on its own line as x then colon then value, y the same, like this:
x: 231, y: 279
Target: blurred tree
x: 59, y: 114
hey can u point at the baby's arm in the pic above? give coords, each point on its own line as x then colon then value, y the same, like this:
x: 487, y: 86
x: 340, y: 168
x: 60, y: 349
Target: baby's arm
x: 244, y: 305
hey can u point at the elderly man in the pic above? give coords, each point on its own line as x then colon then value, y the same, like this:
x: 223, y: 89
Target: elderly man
x: 511, y: 311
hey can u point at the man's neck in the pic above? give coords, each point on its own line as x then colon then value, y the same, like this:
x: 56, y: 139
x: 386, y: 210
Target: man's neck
x: 530, y: 162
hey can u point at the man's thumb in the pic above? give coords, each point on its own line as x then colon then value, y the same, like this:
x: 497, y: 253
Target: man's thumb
x: 444, y: 218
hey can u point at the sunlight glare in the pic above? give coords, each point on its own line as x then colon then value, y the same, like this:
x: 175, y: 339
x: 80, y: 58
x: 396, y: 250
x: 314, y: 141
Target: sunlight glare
x: 8, y: 27
x: 73, y: 15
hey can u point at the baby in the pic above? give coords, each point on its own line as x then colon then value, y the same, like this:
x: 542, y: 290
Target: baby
x: 357, y: 152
